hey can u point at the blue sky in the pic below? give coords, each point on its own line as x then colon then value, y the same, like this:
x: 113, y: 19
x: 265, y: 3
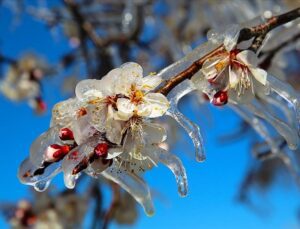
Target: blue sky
x: 212, y: 184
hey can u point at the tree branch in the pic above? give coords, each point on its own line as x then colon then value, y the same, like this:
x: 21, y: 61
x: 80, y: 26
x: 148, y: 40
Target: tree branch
x: 270, y: 24
x: 259, y: 32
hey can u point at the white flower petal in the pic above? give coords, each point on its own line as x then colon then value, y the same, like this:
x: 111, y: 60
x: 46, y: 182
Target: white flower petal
x: 113, y: 127
x: 150, y: 82
x: 110, y: 82
x: 114, y: 152
x: 158, y: 103
x: 87, y: 89
x: 214, y: 66
x: 259, y: 74
x: 64, y: 112
x: 82, y: 130
x: 96, y: 114
x: 154, y: 133
x: 131, y: 74
x: 125, y: 109
x: 144, y: 109
x: 247, y: 57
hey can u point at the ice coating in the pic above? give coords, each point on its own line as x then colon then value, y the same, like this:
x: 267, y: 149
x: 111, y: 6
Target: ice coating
x: 191, y: 128
x: 39, y: 181
x: 133, y: 185
x: 176, y: 166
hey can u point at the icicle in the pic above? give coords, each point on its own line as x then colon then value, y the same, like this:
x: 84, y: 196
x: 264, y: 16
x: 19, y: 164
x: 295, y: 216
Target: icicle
x: 176, y: 166
x: 278, y: 102
x: 28, y: 174
x: 285, y: 91
x: 191, y: 128
x: 282, y: 128
x: 133, y: 185
x: 257, y: 125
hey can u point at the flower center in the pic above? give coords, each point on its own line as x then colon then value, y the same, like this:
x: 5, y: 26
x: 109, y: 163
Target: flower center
x: 136, y: 96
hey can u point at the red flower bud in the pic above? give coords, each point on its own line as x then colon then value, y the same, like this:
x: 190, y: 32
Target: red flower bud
x: 66, y: 134
x: 220, y: 98
x: 101, y: 150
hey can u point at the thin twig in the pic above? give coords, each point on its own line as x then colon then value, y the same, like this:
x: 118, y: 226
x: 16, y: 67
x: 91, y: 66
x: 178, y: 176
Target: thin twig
x: 188, y: 73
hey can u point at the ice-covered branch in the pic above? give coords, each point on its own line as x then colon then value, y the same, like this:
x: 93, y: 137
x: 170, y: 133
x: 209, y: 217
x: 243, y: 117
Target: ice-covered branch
x: 259, y: 32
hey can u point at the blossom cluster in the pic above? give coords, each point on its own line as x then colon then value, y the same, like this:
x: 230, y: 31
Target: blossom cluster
x: 107, y: 130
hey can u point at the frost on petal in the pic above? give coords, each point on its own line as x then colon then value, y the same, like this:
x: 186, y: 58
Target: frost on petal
x: 158, y: 103
x: 214, y: 66
x: 96, y: 114
x: 88, y: 89
x: 82, y: 130
x: 150, y: 82
x: 36, y: 176
x: 154, y: 133
x: 247, y: 57
x: 39, y: 147
x: 132, y: 70
x: 114, y: 128
x: 134, y: 143
x: 64, y: 112
x: 143, y: 109
x: 131, y: 74
x: 175, y: 165
x: 133, y: 185
x: 109, y: 81
x: 125, y: 109
x: 259, y: 74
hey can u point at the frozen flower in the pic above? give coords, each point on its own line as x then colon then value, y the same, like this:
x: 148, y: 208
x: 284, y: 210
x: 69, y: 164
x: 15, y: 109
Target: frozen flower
x: 233, y: 74
x: 120, y: 95
x: 106, y: 131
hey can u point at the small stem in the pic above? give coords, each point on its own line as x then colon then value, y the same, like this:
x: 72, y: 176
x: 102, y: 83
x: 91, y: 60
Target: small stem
x: 189, y: 72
